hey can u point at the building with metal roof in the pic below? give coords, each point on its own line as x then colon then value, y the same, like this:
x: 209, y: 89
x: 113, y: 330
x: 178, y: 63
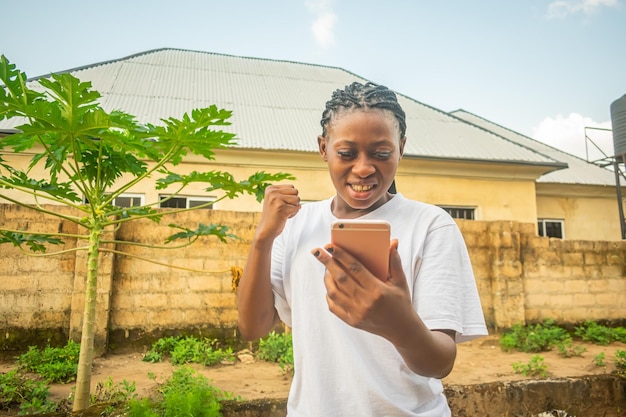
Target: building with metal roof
x: 472, y: 167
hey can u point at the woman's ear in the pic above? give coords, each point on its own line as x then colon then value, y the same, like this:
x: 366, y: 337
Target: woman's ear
x: 402, y: 142
x: 323, y: 147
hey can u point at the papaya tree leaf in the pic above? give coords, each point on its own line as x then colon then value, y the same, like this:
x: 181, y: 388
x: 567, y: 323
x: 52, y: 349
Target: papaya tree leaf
x: 219, y: 231
x: 35, y: 242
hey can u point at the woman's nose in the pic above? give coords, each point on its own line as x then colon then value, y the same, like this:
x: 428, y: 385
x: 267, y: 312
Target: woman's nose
x: 363, y: 167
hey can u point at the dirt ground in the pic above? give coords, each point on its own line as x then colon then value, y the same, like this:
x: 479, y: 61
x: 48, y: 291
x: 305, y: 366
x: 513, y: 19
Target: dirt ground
x: 478, y: 361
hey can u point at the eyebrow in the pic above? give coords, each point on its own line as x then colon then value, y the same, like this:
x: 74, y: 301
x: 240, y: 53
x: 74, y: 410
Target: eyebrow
x: 383, y: 142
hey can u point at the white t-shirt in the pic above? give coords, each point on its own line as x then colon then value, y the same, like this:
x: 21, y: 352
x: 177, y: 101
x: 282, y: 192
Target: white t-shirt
x: 343, y: 371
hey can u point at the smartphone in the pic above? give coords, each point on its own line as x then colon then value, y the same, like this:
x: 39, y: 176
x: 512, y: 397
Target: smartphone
x: 366, y: 240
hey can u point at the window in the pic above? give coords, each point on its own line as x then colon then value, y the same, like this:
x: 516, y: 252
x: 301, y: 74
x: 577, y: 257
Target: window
x: 467, y: 213
x: 129, y: 200
x: 184, y: 201
x: 125, y: 200
x: 551, y: 227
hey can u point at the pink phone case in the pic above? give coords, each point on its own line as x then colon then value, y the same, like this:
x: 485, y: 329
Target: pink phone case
x: 366, y: 240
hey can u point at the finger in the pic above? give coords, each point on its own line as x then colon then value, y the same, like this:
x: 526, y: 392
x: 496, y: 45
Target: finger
x: 278, y: 196
x: 396, y: 273
x: 288, y: 194
x: 350, y: 265
x: 331, y: 266
x: 283, y: 186
x: 336, y: 298
x: 342, y: 281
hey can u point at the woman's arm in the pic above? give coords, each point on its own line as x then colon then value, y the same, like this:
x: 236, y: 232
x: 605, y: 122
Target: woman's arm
x: 257, y: 315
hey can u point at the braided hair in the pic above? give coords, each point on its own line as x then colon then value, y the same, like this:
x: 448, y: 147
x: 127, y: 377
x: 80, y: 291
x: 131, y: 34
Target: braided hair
x: 363, y: 96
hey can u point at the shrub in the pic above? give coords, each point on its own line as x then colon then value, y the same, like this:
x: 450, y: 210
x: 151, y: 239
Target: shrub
x: 53, y: 364
x: 619, y: 334
x: 186, y: 393
x: 277, y: 347
x: 599, y: 359
x: 620, y: 362
x: 185, y: 349
x: 109, y: 392
x: 540, y: 337
x: 18, y: 391
x: 592, y: 332
x: 567, y: 349
x: 160, y: 348
x: 535, y: 367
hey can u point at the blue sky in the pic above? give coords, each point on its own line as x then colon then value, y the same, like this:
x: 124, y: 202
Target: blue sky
x: 544, y: 68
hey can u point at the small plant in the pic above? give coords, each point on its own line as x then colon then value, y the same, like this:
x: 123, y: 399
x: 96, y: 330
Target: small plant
x: 182, y: 350
x: 186, y: 393
x: 18, y: 391
x: 109, y: 392
x: 53, y: 364
x: 592, y: 332
x: 162, y: 347
x: 599, y: 359
x: 277, y: 347
x: 540, y: 337
x: 620, y: 362
x: 567, y: 349
x: 534, y: 367
x: 619, y: 334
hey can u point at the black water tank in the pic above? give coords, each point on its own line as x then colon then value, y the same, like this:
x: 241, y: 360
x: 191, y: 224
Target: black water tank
x: 618, y: 120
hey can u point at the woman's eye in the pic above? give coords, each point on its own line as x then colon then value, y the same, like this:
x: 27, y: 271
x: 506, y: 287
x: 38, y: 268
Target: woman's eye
x: 345, y: 154
x: 383, y: 155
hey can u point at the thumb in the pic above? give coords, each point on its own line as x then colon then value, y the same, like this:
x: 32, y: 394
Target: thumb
x: 396, y: 273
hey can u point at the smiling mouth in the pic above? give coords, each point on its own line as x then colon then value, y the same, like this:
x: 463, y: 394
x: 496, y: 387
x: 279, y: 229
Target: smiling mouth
x: 361, y: 188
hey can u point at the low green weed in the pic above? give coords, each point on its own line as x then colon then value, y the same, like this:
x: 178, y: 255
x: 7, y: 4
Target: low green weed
x: 108, y: 391
x: 540, y: 337
x: 592, y: 332
x: 162, y: 347
x: 544, y: 336
x: 186, y: 349
x: 53, y: 364
x: 599, y: 359
x: 567, y: 349
x: 620, y: 362
x: 30, y: 396
x: 277, y: 347
x: 619, y: 334
x: 534, y: 367
x: 186, y: 393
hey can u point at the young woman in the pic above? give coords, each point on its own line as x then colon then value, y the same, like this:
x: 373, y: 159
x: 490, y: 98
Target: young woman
x: 362, y: 346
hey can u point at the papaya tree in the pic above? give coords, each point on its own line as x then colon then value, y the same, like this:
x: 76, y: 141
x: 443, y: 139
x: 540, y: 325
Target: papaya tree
x: 90, y: 157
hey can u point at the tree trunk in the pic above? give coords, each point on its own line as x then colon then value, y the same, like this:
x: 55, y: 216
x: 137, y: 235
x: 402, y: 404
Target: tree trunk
x: 85, y: 360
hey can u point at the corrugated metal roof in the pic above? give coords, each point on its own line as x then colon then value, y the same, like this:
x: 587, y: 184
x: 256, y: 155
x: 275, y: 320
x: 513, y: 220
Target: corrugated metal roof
x: 277, y: 104
x: 579, y: 171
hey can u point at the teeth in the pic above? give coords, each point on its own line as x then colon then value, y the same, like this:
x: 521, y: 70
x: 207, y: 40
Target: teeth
x: 361, y: 188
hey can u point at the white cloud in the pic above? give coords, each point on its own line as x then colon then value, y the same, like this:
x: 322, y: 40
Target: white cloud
x: 563, y: 8
x: 324, y: 22
x: 568, y: 134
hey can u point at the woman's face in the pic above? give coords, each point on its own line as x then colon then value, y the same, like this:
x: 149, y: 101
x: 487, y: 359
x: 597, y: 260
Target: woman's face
x: 362, y: 149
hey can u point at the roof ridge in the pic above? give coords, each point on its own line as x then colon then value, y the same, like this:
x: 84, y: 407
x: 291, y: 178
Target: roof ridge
x: 152, y: 51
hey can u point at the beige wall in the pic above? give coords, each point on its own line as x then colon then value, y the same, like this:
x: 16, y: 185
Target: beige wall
x: 492, y: 200
x: 590, y: 213
x: 520, y: 277
x: 496, y: 191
